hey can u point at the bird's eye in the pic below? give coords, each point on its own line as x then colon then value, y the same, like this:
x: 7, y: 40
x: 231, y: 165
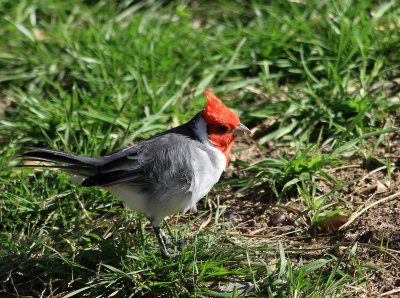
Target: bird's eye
x: 222, y: 128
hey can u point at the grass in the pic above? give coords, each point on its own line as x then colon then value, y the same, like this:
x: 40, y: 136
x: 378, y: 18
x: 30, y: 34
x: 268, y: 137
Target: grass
x: 316, y: 77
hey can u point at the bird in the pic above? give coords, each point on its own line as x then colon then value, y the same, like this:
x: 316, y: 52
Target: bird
x: 165, y: 174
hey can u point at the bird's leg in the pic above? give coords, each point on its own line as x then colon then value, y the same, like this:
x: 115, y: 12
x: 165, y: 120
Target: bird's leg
x: 159, y: 233
x: 167, y: 238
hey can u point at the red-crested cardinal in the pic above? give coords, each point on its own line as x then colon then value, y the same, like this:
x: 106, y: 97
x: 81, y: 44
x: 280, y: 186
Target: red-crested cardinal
x: 165, y: 174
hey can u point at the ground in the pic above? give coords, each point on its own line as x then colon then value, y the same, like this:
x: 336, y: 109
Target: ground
x: 374, y: 233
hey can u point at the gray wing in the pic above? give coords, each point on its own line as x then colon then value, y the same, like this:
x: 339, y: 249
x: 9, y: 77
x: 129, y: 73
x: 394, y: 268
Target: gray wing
x: 157, y: 164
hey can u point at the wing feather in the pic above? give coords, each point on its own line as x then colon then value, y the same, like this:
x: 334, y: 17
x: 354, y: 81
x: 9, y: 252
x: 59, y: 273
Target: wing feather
x: 156, y: 164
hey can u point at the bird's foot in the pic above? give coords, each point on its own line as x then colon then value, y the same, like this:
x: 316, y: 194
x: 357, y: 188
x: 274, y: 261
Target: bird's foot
x: 168, y: 239
x: 180, y: 241
x: 170, y: 255
x: 163, y: 241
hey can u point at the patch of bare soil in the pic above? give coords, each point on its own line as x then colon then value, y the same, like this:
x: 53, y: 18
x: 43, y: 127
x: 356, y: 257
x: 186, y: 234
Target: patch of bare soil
x: 371, y: 193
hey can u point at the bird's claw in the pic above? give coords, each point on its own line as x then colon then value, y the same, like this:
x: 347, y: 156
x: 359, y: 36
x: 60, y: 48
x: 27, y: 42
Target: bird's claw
x: 180, y: 241
x: 168, y: 255
x: 163, y: 241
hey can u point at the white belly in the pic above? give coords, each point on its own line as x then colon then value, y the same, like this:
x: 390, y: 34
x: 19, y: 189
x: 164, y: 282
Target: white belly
x: 156, y: 208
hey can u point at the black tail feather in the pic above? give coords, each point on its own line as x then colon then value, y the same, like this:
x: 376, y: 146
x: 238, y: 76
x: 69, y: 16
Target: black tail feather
x: 76, y: 164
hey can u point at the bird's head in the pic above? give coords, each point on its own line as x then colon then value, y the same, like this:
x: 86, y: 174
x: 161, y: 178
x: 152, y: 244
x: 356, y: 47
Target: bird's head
x: 223, y: 125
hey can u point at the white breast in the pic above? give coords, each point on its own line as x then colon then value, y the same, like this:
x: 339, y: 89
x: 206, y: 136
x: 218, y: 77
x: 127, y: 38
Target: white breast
x: 208, y: 165
x: 207, y: 171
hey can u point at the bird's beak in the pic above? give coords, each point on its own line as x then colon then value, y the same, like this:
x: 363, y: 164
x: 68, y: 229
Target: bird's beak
x: 240, y: 130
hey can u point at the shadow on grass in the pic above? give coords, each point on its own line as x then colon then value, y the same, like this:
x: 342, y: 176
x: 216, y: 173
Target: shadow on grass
x: 62, y: 262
